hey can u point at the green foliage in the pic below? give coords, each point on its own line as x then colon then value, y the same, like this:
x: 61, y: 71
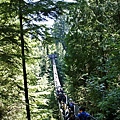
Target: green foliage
x: 110, y: 106
x: 91, y: 61
x: 12, y: 90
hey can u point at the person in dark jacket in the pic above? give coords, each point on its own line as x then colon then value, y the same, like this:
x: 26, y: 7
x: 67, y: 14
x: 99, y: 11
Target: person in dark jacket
x: 83, y: 115
x: 71, y: 105
x: 60, y: 94
x: 59, y: 90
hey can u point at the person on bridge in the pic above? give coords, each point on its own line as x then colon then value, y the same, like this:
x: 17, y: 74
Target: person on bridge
x: 70, y: 115
x: 61, y: 95
x: 71, y: 105
x: 83, y: 115
x: 59, y: 90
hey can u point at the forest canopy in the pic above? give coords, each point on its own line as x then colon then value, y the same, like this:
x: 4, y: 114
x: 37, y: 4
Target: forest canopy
x: 86, y: 38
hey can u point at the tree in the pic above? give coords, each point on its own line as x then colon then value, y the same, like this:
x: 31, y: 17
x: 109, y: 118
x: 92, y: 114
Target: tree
x: 10, y: 53
x: 91, y: 52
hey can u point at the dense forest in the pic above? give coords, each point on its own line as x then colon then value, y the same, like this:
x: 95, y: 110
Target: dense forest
x: 86, y: 38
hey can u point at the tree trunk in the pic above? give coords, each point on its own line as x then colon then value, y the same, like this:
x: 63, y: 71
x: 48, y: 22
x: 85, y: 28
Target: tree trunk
x: 23, y: 62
